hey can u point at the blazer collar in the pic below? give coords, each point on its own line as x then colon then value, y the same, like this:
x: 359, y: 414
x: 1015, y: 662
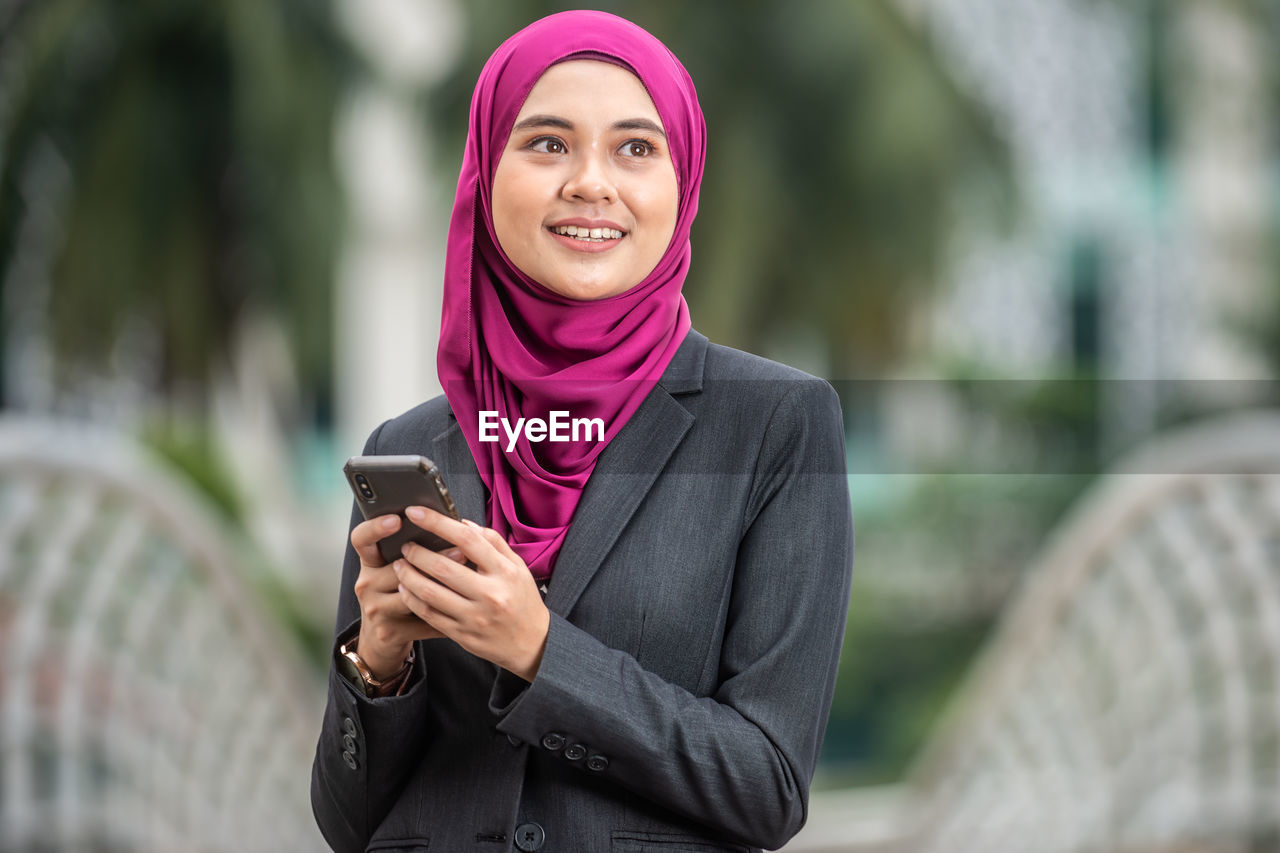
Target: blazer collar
x: 684, y: 374
x: 624, y: 473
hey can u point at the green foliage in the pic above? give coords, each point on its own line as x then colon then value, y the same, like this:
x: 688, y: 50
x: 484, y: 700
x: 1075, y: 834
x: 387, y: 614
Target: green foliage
x: 939, y: 550
x: 308, y: 631
x: 895, y: 681
x: 188, y: 446
x: 966, y: 539
x: 197, y: 138
x: 1260, y: 328
x: 837, y: 148
x: 1045, y: 426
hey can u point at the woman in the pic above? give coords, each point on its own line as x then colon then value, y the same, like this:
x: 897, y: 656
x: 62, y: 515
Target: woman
x: 694, y: 550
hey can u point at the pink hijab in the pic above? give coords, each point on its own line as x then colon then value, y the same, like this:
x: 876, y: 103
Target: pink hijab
x: 511, y: 346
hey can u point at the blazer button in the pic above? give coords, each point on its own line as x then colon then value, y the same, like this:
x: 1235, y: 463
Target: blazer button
x: 597, y: 762
x: 351, y: 761
x: 349, y: 725
x: 575, y: 752
x: 552, y: 741
x: 529, y: 837
x: 350, y: 743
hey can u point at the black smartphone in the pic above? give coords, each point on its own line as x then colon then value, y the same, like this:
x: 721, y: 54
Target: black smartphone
x: 390, y: 484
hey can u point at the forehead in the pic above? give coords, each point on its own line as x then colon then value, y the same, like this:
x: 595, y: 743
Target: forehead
x: 589, y: 86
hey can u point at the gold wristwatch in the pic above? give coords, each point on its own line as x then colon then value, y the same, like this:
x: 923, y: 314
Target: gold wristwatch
x: 353, y: 668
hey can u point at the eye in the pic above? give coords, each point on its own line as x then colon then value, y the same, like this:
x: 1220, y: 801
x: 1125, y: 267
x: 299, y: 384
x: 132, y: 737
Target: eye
x: 547, y: 145
x: 636, y: 148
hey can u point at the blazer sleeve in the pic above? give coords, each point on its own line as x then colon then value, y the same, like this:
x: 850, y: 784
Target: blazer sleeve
x: 739, y: 761
x: 366, y: 746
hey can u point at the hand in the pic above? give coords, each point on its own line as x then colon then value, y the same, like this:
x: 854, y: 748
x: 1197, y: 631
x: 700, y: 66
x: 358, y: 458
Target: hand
x: 387, y: 626
x: 493, y: 611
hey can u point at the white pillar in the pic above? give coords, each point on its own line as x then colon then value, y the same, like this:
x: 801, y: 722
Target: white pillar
x: 387, y: 300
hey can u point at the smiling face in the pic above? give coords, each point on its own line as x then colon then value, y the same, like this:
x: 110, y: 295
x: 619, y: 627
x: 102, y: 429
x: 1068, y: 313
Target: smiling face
x: 585, y: 194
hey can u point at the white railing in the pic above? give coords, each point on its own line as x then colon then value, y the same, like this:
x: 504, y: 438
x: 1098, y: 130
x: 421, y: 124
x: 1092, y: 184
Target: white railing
x: 1131, y: 698
x: 146, y: 703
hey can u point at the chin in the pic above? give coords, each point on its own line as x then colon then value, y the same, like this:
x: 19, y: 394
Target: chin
x: 586, y: 291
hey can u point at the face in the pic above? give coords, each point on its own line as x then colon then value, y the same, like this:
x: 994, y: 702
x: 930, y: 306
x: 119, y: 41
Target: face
x: 585, y: 195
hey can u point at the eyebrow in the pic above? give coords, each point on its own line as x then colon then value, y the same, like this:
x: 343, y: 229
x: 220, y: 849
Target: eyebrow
x: 565, y: 124
x: 640, y: 124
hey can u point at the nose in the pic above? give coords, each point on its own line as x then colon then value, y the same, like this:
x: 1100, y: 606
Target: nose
x: 589, y: 179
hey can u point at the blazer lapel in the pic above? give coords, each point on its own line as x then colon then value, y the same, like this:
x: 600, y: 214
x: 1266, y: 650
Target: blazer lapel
x: 624, y: 474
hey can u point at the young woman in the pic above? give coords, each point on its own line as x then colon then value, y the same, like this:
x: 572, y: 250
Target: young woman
x: 633, y: 645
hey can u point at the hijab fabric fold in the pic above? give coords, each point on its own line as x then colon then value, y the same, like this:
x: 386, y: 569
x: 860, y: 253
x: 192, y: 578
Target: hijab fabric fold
x: 510, y: 346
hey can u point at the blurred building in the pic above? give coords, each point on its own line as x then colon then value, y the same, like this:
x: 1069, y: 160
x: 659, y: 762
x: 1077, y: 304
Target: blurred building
x: 1143, y: 140
x: 1142, y: 137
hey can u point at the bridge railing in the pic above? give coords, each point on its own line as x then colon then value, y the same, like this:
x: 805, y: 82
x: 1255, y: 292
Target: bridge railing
x: 1131, y: 697
x: 146, y: 702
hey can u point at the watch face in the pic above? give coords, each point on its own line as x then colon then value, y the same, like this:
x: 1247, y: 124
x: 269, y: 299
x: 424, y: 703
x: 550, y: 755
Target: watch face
x: 348, y: 670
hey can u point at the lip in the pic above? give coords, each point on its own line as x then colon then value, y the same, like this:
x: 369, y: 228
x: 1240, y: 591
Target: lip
x: 586, y: 246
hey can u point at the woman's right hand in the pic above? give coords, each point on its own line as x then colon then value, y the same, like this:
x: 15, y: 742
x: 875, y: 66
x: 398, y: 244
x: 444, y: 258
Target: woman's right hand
x: 387, y: 626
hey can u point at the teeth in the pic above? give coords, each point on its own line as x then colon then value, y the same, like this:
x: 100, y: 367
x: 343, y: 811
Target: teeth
x: 589, y: 234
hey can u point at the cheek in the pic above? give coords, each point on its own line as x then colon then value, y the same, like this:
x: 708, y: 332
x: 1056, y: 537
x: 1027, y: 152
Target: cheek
x: 661, y: 207
x: 513, y: 213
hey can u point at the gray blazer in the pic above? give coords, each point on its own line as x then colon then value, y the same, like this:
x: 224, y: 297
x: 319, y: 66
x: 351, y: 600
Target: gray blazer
x: 697, y: 612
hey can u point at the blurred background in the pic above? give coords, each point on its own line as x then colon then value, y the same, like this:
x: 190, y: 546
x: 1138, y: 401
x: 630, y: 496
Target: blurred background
x: 1024, y: 241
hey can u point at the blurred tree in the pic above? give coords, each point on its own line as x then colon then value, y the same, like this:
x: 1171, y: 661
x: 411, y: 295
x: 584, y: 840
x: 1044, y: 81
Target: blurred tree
x: 193, y: 140
x: 837, y: 146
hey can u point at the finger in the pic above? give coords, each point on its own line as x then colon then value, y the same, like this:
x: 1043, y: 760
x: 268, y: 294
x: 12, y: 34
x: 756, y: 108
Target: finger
x: 415, y: 606
x: 423, y: 584
x: 439, y: 624
x: 412, y: 603
x: 466, y: 536
x: 366, y: 535
x: 384, y: 606
x: 429, y: 601
x: 500, y: 544
x: 512, y: 562
x: 375, y: 580
x: 393, y: 608
x: 447, y: 570
x: 457, y: 556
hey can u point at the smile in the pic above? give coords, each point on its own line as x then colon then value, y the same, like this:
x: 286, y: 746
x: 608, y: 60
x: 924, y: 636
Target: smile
x: 594, y: 235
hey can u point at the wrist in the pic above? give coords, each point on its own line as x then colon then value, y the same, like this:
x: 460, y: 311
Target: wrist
x: 527, y: 669
x: 382, y: 661
x: 374, y: 683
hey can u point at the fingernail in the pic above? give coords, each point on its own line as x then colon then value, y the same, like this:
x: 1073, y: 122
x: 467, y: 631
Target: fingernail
x: 416, y: 513
x: 397, y: 566
x: 471, y: 523
x: 388, y: 522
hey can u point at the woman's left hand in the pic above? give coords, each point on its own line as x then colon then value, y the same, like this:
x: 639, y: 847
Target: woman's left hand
x: 493, y: 611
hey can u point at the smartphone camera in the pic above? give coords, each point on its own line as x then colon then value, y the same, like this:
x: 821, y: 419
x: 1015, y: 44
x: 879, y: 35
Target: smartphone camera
x: 366, y: 491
